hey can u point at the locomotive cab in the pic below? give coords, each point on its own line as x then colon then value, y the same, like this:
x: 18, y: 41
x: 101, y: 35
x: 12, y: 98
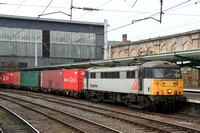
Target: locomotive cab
x: 162, y: 82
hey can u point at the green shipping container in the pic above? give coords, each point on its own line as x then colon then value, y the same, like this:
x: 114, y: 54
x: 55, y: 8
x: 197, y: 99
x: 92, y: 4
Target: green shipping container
x: 30, y: 79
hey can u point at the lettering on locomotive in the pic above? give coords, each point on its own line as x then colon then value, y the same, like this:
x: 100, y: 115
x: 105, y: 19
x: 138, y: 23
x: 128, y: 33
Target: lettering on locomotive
x: 93, y: 85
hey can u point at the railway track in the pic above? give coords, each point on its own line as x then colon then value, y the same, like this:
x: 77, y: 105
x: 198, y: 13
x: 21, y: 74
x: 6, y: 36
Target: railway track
x: 12, y: 123
x: 144, y: 122
x: 78, y: 124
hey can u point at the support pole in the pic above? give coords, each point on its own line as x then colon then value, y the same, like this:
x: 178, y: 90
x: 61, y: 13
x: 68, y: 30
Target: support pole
x: 161, y: 12
x: 105, y: 40
x: 36, y: 60
x: 71, y: 9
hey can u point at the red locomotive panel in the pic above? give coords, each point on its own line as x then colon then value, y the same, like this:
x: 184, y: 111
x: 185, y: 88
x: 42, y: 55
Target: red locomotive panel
x: 16, y: 78
x: 52, y: 79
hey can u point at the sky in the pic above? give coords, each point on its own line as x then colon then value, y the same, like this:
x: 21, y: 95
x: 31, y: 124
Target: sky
x: 122, y: 15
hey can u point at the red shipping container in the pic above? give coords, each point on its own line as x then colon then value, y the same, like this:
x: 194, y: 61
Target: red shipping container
x: 16, y: 78
x: 52, y: 79
x: 5, y: 78
x: 11, y: 78
x: 1, y: 78
x: 73, y: 79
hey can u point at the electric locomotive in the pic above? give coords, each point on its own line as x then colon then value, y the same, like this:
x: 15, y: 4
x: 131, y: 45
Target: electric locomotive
x: 155, y: 85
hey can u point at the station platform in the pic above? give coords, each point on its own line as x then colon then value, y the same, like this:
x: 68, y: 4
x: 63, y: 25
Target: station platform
x: 192, y: 94
x: 197, y: 90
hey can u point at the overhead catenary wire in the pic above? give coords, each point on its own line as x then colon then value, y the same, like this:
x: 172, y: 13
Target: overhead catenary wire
x: 134, y: 3
x: 96, y: 7
x: 47, y: 6
x: 149, y: 17
x: 129, y: 23
x: 18, y: 7
x: 152, y: 12
x: 169, y: 29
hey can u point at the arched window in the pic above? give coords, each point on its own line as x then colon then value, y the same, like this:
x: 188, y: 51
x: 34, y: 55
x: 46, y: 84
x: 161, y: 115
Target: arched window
x: 163, y: 48
x: 175, y: 47
x: 187, y: 45
x: 121, y: 54
x: 114, y: 55
x: 133, y: 52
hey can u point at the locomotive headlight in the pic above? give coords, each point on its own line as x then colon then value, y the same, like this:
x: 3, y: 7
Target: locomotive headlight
x: 169, y: 91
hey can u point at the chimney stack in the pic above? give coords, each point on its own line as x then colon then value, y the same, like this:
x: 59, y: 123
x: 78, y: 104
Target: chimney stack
x: 124, y: 38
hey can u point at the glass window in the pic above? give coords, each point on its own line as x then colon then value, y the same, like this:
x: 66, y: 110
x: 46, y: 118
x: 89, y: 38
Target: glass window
x: 130, y: 74
x: 110, y: 75
x: 114, y: 75
x: 167, y: 73
x: 159, y: 73
x: 117, y: 75
x: 20, y: 42
x: 150, y: 73
x: 176, y: 73
x: 92, y: 75
x: 77, y: 44
x: 146, y: 73
x: 102, y: 75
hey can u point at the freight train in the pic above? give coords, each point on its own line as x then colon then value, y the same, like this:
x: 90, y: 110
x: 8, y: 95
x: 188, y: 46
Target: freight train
x: 155, y: 85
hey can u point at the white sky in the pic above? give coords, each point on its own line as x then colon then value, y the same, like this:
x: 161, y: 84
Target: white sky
x: 183, y: 18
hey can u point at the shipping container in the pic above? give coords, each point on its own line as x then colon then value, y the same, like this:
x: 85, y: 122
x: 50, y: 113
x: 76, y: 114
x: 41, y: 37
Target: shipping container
x: 16, y: 78
x: 67, y: 79
x: 5, y: 78
x: 11, y: 78
x: 1, y: 78
x: 52, y: 79
x: 30, y: 78
x: 73, y: 79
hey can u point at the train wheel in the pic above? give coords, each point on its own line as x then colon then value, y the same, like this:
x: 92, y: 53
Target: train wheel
x: 155, y: 109
x: 99, y: 97
x: 87, y: 95
x: 142, y: 103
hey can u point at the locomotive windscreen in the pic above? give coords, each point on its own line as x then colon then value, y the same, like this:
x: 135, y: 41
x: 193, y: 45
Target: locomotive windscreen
x: 167, y: 73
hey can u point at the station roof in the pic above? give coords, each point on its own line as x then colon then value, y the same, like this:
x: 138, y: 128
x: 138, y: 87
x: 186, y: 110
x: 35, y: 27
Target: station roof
x: 193, y: 56
x: 50, y: 20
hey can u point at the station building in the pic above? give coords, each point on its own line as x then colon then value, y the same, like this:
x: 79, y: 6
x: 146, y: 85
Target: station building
x: 177, y: 42
x: 52, y: 41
